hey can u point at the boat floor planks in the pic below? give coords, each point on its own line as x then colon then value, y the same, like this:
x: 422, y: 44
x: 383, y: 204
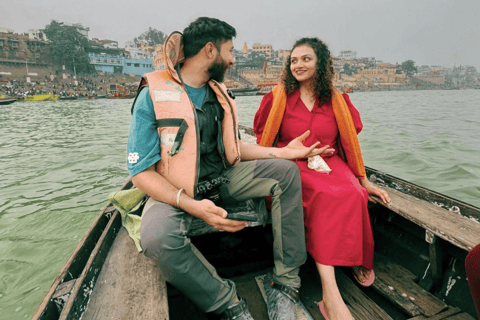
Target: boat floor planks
x: 452, y: 313
x: 398, y: 285
x: 128, y: 287
x: 360, y: 305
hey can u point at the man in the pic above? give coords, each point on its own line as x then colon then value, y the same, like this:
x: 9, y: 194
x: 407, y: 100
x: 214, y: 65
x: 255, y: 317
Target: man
x: 184, y: 133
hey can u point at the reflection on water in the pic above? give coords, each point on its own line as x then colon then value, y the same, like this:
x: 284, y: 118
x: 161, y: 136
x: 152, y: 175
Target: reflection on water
x: 61, y: 160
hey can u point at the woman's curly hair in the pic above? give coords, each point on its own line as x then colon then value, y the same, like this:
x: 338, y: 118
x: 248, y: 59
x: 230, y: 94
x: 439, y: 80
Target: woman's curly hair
x: 323, y: 83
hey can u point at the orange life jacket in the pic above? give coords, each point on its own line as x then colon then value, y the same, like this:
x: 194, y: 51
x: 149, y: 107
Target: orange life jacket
x: 177, y: 122
x: 348, y: 142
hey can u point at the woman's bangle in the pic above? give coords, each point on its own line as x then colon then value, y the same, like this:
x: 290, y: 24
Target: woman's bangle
x: 178, y: 196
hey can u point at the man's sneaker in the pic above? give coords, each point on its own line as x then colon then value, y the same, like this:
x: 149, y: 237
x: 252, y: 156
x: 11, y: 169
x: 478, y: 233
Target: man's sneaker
x: 237, y: 311
x: 281, y: 300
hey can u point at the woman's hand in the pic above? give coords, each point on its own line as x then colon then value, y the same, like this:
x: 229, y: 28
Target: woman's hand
x: 374, y: 191
x: 296, y: 150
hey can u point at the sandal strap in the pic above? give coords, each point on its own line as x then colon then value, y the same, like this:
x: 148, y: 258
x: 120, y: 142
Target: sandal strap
x: 291, y: 293
x: 235, y: 310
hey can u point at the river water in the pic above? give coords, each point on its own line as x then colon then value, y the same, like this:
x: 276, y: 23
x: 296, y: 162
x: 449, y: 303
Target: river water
x: 60, y: 160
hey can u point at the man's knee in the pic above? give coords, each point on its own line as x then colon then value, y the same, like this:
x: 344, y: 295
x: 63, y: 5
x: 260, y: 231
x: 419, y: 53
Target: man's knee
x: 161, y: 239
x: 289, y: 174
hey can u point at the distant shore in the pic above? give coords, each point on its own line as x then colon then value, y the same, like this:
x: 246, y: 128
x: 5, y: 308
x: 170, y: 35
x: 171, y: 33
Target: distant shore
x: 100, y: 84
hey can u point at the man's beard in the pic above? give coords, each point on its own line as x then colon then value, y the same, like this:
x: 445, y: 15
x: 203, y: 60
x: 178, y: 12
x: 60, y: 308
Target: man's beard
x: 217, y: 70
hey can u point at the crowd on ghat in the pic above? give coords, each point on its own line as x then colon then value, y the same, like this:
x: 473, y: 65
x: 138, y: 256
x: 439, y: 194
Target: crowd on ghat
x: 81, y: 86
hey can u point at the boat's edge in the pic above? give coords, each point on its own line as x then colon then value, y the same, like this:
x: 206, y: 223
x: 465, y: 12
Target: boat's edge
x: 47, y: 305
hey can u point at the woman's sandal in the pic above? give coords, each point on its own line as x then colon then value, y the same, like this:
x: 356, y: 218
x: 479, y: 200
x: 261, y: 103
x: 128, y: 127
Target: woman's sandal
x: 368, y: 282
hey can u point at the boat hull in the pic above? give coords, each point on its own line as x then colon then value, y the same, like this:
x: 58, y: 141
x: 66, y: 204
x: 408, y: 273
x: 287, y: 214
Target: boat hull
x: 402, y: 257
x: 244, y: 92
x: 6, y: 101
x: 40, y: 97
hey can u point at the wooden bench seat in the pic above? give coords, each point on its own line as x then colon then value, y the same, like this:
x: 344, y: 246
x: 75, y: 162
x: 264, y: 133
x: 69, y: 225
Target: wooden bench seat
x: 454, y: 228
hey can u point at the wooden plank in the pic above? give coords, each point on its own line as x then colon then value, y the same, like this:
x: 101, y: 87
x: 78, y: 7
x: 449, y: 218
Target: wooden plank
x: 360, y: 305
x: 395, y: 283
x: 454, y: 228
x: 461, y: 316
x: 451, y: 311
x: 64, y: 288
x: 438, y: 199
x: 46, y: 309
x: 436, y: 259
x: 129, y: 286
x: 75, y: 306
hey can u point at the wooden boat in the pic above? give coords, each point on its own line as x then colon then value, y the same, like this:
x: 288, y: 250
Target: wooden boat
x: 121, y: 95
x: 65, y: 98
x: 421, y: 237
x: 244, y: 91
x: 7, y: 101
x: 40, y: 97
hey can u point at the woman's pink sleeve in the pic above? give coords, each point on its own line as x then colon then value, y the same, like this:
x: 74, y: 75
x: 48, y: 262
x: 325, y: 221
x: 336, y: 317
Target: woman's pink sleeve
x: 261, y: 115
x: 355, y: 114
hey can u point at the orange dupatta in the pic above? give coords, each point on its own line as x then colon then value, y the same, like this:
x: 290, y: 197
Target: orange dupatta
x: 348, y: 135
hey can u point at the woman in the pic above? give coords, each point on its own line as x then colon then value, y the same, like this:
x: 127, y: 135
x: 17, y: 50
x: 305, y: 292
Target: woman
x: 338, y: 231
x: 472, y: 266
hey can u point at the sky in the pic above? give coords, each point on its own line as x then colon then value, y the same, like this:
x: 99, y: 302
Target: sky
x: 429, y: 32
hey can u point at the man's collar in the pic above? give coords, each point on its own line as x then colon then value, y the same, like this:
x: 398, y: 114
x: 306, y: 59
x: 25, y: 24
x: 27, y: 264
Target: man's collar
x: 210, y: 95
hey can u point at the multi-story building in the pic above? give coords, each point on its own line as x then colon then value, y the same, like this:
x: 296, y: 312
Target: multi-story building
x: 158, y: 62
x: 106, y: 63
x: 36, y: 34
x: 21, y: 56
x: 268, y: 77
x: 348, y: 55
x: 119, y: 64
x: 143, y: 52
x: 137, y: 67
x: 383, y: 74
x: 110, y: 44
x: 369, y: 62
x: 283, y: 54
x: 266, y: 48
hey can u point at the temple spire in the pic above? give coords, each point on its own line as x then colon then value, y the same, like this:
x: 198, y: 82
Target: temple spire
x: 245, y: 48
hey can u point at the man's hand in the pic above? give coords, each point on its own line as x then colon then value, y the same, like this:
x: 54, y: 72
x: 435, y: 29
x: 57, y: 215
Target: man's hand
x: 216, y: 217
x: 296, y: 150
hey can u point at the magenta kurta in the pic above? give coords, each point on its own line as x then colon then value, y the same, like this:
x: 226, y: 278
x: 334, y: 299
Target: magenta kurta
x: 338, y: 230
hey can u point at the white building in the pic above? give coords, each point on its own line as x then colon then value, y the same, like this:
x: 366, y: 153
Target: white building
x: 36, y: 34
x: 6, y: 30
x: 348, y: 55
x: 138, y: 53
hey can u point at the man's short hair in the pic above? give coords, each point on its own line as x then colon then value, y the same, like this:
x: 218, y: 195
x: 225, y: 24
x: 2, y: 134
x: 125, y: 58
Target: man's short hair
x: 205, y: 30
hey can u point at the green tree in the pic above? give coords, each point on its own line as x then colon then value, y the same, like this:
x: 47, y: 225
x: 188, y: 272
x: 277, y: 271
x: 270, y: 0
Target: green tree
x: 152, y: 37
x: 347, y: 69
x: 67, y: 47
x: 409, y: 67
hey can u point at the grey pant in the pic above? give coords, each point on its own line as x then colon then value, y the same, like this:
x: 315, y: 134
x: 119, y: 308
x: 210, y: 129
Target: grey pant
x: 164, y: 233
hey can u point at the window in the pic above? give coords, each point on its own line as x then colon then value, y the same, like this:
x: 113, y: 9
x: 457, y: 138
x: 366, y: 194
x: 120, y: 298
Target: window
x: 129, y: 64
x: 13, y: 44
x: 136, y: 65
